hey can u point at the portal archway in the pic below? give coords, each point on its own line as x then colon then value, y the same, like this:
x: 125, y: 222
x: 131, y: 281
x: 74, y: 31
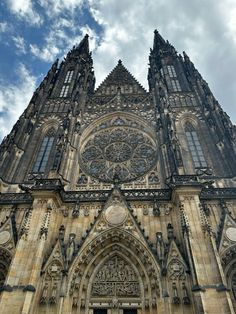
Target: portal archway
x: 100, y: 265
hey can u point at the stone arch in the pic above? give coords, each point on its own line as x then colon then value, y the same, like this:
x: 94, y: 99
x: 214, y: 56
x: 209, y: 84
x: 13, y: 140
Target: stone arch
x: 114, y: 242
x: 190, y: 116
x: 228, y: 258
x: 48, y: 123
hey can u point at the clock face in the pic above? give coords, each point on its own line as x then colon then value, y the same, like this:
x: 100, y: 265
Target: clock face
x: 118, y: 148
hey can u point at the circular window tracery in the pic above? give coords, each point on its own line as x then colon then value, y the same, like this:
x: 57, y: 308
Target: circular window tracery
x: 122, y: 151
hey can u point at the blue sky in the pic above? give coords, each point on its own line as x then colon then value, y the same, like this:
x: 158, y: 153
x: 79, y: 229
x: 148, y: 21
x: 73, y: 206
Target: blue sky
x: 33, y: 33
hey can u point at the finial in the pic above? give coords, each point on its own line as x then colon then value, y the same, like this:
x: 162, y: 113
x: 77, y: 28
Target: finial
x: 119, y: 62
x: 86, y: 36
x: 155, y: 31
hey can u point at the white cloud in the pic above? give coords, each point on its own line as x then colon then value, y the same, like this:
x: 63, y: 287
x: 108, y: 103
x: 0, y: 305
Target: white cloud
x: 47, y: 53
x: 55, y: 7
x: 206, y: 36
x: 20, y: 44
x: 24, y: 9
x: 15, y: 97
x: 58, y: 42
x: 4, y: 27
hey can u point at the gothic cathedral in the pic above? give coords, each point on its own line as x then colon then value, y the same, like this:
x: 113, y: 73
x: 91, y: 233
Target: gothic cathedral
x: 118, y: 200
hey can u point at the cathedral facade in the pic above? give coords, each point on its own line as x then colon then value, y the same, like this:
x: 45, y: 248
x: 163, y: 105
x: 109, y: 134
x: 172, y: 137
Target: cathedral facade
x: 118, y: 199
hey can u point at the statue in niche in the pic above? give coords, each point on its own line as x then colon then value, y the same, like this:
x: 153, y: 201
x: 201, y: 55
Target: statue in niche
x: 66, y: 123
x: 153, y: 178
x: 44, y: 295
x: 29, y: 127
x: 83, y: 179
x: 176, y: 149
x: 75, y: 212
x: 156, y: 208
x: 77, y: 126
x: 57, y: 158
x: 160, y: 247
x: 70, y: 249
x: 52, y: 299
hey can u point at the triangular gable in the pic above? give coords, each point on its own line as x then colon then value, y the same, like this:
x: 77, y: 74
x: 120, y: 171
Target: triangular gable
x: 227, y: 236
x: 56, y: 255
x: 8, y: 234
x: 175, y: 263
x: 115, y: 214
x: 119, y: 77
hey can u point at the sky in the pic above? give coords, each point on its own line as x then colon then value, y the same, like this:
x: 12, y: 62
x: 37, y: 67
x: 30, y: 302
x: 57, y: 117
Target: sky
x: 33, y: 33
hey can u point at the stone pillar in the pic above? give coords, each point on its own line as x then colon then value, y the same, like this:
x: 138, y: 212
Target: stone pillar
x: 24, y: 272
x: 209, y: 290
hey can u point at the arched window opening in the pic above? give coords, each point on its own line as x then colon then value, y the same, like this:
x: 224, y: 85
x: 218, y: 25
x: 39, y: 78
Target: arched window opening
x: 44, y: 152
x: 195, y: 147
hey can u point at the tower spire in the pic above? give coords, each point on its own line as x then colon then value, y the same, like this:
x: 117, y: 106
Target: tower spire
x: 158, y: 40
x: 83, y: 46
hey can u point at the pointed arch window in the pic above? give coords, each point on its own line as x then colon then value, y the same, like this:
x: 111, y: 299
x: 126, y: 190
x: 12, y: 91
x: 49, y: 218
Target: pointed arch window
x: 64, y: 91
x: 195, y: 146
x: 169, y: 72
x: 69, y: 76
x: 65, y: 88
x: 44, y: 152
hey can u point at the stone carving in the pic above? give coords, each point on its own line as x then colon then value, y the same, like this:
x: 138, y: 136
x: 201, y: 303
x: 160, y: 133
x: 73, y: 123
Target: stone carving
x: 4, y: 237
x: 116, y: 278
x: 231, y: 233
x: 176, y: 270
x: 120, y: 151
x: 70, y: 248
x: 115, y: 214
x: 44, y: 295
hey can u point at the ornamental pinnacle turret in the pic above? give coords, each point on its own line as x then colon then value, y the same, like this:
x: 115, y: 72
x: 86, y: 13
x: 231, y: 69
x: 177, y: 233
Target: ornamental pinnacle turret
x: 118, y: 199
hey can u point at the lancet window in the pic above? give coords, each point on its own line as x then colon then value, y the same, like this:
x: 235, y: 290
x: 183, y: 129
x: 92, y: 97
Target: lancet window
x: 195, y: 146
x: 171, y: 77
x: 64, y: 91
x: 69, y: 76
x: 44, y: 152
x: 66, y: 85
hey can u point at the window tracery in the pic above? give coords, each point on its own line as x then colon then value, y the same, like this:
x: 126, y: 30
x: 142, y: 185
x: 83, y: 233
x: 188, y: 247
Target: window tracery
x: 195, y: 146
x: 44, y: 152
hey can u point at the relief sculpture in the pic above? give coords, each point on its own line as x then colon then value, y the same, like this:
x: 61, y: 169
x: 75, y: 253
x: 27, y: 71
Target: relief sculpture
x: 116, y: 278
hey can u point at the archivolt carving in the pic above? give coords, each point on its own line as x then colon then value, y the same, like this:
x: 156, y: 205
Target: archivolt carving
x: 114, y: 264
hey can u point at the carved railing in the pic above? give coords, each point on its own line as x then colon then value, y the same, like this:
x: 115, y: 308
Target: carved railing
x: 101, y: 195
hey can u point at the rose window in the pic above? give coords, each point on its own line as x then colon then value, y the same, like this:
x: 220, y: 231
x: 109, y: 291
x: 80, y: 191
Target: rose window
x: 118, y: 152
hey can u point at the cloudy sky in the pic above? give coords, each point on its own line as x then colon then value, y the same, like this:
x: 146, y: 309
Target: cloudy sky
x: 33, y: 33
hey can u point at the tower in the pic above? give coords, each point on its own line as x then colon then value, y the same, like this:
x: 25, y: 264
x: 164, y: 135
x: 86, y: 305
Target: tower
x: 118, y: 199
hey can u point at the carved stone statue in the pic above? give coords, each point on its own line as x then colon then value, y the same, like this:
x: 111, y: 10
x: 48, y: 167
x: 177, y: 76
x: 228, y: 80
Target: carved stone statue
x: 70, y: 249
